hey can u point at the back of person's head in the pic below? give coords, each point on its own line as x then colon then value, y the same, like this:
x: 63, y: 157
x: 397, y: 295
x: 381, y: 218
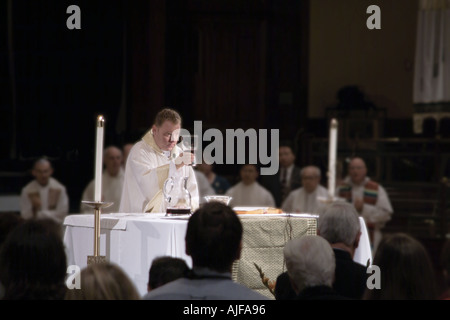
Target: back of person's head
x: 104, y: 281
x: 33, y: 262
x: 406, y: 270
x: 310, y: 262
x: 339, y: 223
x: 213, y: 237
x: 164, y: 270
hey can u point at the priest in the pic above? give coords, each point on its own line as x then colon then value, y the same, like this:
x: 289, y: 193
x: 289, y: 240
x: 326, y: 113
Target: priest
x: 369, y: 198
x: 151, y: 161
x: 44, y: 197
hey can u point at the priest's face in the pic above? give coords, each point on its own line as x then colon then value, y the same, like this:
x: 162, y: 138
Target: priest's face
x: 42, y: 171
x: 357, y: 170
x: 166, y: 135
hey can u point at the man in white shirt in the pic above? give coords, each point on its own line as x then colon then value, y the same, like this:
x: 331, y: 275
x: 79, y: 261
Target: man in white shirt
x: 369, y: 198
x: 44, y: 197
x: 304, y: 199
x: 112, y: 182
x: 151, y: 161
x: 248, y: 192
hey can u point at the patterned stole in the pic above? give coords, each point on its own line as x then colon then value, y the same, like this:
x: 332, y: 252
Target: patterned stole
x: 370, y: 194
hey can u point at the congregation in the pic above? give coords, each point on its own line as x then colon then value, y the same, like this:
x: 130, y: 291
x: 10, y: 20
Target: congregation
x: 319, y: 267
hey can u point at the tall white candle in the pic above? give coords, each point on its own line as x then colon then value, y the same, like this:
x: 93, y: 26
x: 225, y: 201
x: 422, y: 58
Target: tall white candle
x: 99, y: 159
x: 332, y: 158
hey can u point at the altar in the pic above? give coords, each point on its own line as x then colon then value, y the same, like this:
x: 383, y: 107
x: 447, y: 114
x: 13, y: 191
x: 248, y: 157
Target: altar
x: 132, y: 241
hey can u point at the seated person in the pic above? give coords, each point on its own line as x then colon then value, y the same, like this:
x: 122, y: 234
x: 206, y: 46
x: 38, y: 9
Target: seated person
x: 248, y: 192
x: 44, y: 197
x: 339, y: 225
x: 304, y: 199
x: 369, y: 198
x: 112, y: 182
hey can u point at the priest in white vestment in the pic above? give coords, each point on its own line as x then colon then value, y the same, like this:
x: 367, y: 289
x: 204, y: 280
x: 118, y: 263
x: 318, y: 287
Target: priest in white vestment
x: 304, y: 199
x: 151, y: 161
x: 369, y: 198
x: 112, y: 182
x: 248, y: 192
x: 44, y: 197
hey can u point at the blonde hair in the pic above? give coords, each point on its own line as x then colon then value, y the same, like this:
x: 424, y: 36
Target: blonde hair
x: 103, y: 281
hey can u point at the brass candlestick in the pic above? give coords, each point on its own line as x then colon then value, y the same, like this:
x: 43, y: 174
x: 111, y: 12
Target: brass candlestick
x: 96, y: 258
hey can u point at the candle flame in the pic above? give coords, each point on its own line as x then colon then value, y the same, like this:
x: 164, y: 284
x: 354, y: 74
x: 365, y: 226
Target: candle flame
x: 334, y: 123
x: 100, y: 121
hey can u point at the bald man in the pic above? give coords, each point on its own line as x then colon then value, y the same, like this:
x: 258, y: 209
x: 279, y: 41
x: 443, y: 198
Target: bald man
x: 44, y: 197
x: 369, y: 198
x: 112, y: 182
x: 304, y: 199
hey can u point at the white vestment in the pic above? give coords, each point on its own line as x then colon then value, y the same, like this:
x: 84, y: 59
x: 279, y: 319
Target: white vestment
x: 146, y: 170
x: 53, y: 197
x: 111, y: 192
x: 253, y: 195
x: 374, y: 215
x: 300, y: 201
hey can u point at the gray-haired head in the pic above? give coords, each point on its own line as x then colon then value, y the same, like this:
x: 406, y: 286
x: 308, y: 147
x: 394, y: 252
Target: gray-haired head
x: 339, y: 223
x: 310, y: 262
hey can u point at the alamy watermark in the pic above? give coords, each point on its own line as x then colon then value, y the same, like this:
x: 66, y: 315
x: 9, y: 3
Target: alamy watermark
x: 374, y: 280
x: 221, y: 150
x: 374, y: 21
x: 73, y: 22
x: 73, y: 280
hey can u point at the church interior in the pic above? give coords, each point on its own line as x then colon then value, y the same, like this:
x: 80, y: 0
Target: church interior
x: 264, y: 64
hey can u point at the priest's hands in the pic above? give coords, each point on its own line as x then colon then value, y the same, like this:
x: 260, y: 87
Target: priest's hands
x: 185, y: 158
x: 35, y: 199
